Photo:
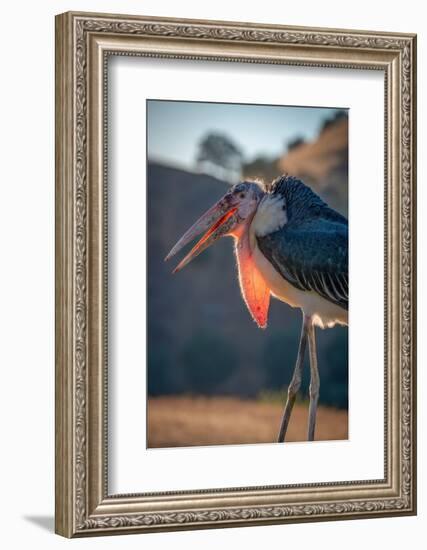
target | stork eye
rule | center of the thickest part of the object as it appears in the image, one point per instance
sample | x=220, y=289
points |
x=242, y=195
x=240, y=188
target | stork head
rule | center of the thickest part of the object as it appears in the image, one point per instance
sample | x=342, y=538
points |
x=230, y=216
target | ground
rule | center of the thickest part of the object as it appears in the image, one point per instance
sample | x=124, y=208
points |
x=188, y=421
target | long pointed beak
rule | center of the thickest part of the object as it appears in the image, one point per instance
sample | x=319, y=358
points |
x=216, y=222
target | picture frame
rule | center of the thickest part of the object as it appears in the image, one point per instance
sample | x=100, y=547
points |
x=84, y=42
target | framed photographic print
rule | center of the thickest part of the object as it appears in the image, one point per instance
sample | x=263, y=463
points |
x=268, y=377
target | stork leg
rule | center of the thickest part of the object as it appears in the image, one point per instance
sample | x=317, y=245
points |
x=314, y=382
x=295, y=384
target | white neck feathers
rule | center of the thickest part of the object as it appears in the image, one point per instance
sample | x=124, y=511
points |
x=270, y=215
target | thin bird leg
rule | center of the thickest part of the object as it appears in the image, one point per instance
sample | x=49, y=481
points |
x=295, y=384
x=314, y=382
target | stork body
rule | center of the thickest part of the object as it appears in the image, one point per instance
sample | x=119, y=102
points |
x=291, y=245
x=300, y=246
x=323, y=312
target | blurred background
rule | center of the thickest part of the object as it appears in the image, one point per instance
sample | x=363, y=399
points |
x=213, y=377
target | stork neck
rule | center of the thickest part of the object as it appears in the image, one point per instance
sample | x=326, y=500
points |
x=243, y=236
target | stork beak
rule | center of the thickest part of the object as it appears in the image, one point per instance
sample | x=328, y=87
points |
x=216, y=223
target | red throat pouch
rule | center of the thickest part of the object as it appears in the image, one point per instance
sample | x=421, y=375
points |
x=254, y=290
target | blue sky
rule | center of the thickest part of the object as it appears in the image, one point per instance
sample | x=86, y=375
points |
x=176, y=127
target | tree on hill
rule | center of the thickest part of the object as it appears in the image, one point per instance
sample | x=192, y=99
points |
x=339, y=115
x=294, y=143
x=220, y=156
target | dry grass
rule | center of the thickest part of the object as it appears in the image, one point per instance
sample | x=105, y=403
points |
x=188, y=421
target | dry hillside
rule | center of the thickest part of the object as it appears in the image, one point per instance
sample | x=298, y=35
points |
x=323, y=164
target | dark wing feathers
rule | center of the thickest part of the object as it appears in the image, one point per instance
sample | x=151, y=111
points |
x=313, y=256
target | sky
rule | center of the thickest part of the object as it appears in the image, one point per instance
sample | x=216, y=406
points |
x=176, y=127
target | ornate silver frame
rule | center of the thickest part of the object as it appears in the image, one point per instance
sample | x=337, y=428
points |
x=83, y=42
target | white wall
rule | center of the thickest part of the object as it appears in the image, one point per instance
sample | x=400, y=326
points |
x=27, y=267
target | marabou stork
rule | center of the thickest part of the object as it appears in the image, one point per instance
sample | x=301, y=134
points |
x=289, y=244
